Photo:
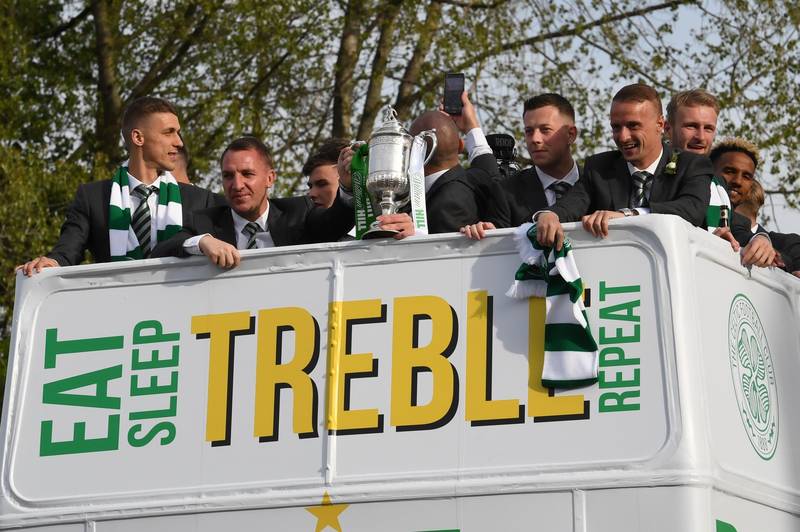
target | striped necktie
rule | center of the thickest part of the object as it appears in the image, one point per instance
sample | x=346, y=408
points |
x=250, y=231
x=642, y=181
x=140, y=222
x=559, y=188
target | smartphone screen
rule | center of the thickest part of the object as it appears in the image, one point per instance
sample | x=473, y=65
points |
x=453, y=87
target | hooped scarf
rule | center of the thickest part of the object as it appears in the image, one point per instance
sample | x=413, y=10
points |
x=570, y=351
x=168, y=216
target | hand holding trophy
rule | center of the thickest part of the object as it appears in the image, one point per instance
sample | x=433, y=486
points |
x=387, y=174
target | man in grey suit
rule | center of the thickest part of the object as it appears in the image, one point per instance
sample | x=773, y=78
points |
x=643, y=176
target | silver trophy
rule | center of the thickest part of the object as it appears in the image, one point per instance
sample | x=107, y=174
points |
x=387, y=178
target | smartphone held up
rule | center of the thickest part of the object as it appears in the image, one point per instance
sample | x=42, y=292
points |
x=453, y=87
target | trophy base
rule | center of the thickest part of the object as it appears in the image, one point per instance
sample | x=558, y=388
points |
x=379, y=233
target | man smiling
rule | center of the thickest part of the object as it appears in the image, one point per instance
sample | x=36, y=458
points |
x=692, y=126
x=253, y=220
x=692, y=121
x=124, y=217
x=641, y=177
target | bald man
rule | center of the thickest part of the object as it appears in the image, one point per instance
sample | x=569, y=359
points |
x=456, y=197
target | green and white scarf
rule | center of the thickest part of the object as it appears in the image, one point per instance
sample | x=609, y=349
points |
x=719, y=201
x=168, y=217
x=570, y=351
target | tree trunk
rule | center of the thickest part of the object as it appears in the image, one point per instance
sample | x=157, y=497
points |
x=405, y=96
x=109, y=115
x=344, y=71
x=372, y=102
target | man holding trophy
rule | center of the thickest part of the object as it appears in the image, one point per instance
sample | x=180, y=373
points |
x=441, y=195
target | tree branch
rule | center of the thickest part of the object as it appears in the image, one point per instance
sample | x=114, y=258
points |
x=343, y=72
x=410, y=78
x=162, y=67
x=110, y=113
x=564, y=32
x=66, y=26
x=372, y=101
x=471, y=5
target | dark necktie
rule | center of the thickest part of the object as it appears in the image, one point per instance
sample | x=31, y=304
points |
x=140, y=222
x=642, y=181
x=250, y=231
x=559, y=188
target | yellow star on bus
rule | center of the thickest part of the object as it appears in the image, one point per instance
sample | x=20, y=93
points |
x=327, y=514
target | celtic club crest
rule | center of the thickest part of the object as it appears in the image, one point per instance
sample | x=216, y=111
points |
x=753, y=376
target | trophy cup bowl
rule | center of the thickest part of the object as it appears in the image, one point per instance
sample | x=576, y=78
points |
x=387, y=178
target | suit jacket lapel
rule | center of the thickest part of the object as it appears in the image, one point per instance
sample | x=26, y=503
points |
x=223, y=226
x=444, y=178
x=620, y=184
x=658, y=179
x=277, y=230
x=533, y=188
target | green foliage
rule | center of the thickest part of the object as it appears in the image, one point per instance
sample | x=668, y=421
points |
x=33, y=198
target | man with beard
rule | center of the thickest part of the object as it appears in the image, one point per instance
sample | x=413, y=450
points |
x=456, y=196
x=736, y=161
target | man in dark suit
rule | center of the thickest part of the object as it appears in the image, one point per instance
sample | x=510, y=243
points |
x=456, y=197
x=643, y=176
x=550, y=131
x=691, y=126
x=736, y=161
x=750, y=199
x=151, y=131
x=253, y=220
x=321, y=171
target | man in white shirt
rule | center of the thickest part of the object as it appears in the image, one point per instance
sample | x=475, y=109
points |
x=643, y=176
x=692, y=126
x=252, y=219
x=123, y=218
x=550, y=132
x=456, y=197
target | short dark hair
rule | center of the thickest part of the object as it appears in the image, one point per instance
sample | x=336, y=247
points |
x=141, y=108
x=735, y=145
x=639, y=92
x=249, y=143
x=690, y=98
x=327, y=153
x=549, y=98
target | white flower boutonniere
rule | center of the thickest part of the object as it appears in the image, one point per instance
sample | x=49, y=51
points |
x=672, y=165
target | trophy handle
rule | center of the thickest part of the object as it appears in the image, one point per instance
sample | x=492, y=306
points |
x=431, y=134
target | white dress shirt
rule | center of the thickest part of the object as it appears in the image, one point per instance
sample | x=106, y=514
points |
x=476, y=144
x=652, y=171
x=547, y=180
x=263, y=238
